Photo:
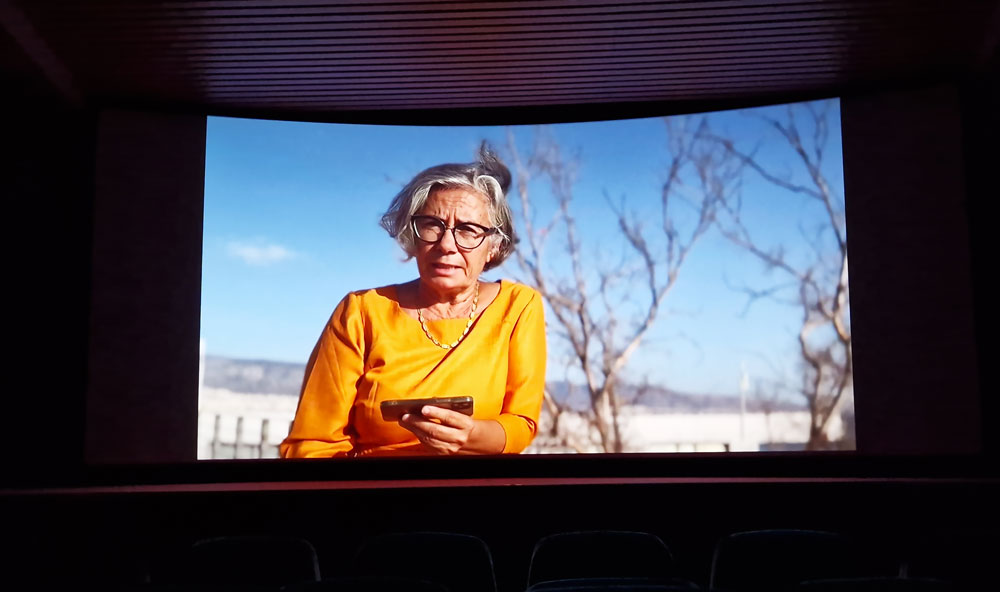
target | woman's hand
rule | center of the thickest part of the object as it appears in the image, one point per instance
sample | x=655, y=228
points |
x=453, y=432
x=449, y=435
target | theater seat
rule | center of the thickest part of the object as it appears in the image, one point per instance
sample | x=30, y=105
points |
x=462, y=563
x=622, y=584
x=368, y=584
x=877, y=585
x=965, y=556
x=777, y=560
x=608, y=556
x=250, y=563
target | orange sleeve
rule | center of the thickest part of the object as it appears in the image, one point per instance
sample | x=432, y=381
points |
x=525, y=378
x=329, y=387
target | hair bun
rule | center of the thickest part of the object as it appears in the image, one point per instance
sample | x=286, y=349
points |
x=490, y=164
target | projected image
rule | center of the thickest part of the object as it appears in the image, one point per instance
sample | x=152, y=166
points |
x=692, y=271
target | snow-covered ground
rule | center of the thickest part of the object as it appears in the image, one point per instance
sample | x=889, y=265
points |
x=228, y=406
x=651, y=430
x=647, y=430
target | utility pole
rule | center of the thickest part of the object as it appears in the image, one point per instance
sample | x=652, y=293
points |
x=744, y=387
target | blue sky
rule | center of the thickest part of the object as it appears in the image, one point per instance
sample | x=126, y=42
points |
x=291, y=225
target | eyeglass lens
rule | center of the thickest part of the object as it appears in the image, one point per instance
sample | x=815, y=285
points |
x=467, y=236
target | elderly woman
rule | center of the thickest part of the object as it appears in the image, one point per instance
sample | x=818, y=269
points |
x=447, y=333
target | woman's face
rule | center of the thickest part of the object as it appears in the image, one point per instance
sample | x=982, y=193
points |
x=444, y=267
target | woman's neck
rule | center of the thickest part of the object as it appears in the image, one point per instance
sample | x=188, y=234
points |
x=445, y=305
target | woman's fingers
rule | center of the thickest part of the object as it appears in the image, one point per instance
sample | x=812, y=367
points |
x=446, y=416
x=429, y=429
x=447, y=435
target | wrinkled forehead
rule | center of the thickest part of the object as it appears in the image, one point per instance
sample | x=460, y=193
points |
x=457, y=203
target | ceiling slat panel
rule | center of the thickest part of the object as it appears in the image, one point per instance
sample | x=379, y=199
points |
x=499, y=59
x=444, y=28
x=846, y=30
x=576, y=31
x=623, y=49
x=374, y=11
x=320, y=56
x=641, y=74
x=459, y=20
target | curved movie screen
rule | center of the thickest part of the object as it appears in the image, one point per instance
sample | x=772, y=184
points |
x=693, y=271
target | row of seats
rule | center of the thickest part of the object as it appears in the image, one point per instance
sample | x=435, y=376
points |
x=758, y=561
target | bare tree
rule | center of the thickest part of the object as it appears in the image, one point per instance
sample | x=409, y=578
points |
x=766, y=399
x=586, y=300
x=818, y=281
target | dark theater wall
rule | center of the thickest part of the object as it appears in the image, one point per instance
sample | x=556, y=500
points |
x=981, y=127
x=143, y=385
x=46, y=183
x=916, y=373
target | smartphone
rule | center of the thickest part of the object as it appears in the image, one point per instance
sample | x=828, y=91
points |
x=394, y=409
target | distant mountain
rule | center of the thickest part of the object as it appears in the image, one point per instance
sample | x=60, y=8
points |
x=282, y=378
x=667, y=400
x=254, y=376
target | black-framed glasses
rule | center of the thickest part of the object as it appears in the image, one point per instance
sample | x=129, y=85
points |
x=467, y=235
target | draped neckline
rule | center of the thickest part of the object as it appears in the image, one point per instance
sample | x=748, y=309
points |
x=504, y=286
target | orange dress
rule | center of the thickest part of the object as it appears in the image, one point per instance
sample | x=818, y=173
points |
x=372, y=351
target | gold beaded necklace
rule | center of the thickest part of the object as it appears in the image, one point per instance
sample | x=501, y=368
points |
x=454, y=344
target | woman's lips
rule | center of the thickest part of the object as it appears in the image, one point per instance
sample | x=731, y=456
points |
x=444, y=269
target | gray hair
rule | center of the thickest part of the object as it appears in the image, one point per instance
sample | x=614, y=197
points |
x=487, y=176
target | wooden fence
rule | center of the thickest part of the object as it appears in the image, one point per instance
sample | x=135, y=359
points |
x=257, y=446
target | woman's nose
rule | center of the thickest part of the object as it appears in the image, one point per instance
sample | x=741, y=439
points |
x=447, y=242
